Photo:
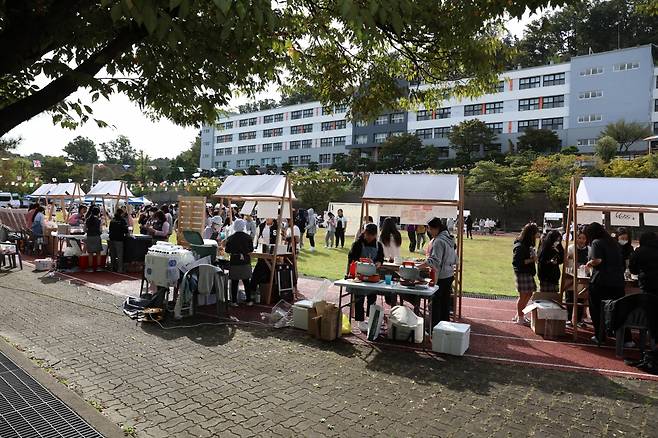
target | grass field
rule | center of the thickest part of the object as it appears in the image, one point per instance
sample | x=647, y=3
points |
x=487, y=262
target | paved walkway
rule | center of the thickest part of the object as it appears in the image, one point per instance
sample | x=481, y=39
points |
x=248, y=380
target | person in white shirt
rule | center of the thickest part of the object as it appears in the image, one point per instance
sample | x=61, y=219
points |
x=298, y=235
x=341, y=226
x=331, y=230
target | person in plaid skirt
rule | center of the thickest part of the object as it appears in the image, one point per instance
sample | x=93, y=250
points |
x=524, y=260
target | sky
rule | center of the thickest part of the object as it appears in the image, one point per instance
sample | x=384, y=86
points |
x=158, y=139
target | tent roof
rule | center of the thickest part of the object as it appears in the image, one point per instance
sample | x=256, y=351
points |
x=110, y=189
x=419, y=187
x=253, y=186
x=44, y=189
x=66, y=190
x=627, y=192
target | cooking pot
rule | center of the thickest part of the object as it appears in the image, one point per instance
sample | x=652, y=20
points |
x=366, y=269
x=409, y=273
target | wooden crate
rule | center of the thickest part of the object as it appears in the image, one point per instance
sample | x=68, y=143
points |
x=191, y=216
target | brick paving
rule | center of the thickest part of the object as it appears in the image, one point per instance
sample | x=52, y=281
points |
x=247, y=380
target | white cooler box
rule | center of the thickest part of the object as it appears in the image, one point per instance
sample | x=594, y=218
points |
x=451, y=338
x=300, y=314
x=44, y=264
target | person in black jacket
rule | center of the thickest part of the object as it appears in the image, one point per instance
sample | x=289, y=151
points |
x=118, y=234
x=93, y=244
x=523, y=261
x=644, y=263
x=239, y=245
x=366, y=247
x=551, y=256
x=607, y=279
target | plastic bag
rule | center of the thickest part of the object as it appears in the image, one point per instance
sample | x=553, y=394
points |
x=280, y=316
x=321, y=294
x=345, y=325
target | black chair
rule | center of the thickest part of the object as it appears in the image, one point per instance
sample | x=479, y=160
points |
x=636, y=311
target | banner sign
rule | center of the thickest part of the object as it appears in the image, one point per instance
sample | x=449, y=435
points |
x=624, y=218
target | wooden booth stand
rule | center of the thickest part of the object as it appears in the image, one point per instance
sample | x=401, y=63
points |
x=590, y=199
x=110, y=190
x=66, y=192
x=416, y=199
x=272, y=195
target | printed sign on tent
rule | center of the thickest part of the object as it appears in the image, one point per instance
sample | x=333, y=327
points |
x=385, y=210
x=415, y=214
x=268, y=209
x=651, y=219
x=587, y=217
x=444, y=212
x=248, y=207
x=624, y=218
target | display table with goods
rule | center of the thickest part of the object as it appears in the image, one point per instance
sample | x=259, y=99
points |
x=383, y=287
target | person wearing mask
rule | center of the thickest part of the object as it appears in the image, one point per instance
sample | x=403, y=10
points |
x=78, y=219
x=37, y=223
x=117, y=235
x=551, y=256
x=580, y=252
x=341, y=226
x=644, y=263
x=159, y=227
x=391, y=239
x=239, y=245
x=331, y=230
x=252, y=230
x=524, y=260
x=93, y=243
x=442, y=259
x=421, y=237
x=311, y=228
x=366, y=247
x=411, y=233
x=607, y=279
x=624, y=240
x=469, y=227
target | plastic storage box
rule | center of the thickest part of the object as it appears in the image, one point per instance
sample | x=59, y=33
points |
x=300, y=314
x=451, y=338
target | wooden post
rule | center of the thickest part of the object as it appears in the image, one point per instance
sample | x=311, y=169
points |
x=566, y=249
x=460, y=245
x=293, y=246
x=574, y=313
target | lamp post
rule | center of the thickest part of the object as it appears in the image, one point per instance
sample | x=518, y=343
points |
x=93, y=167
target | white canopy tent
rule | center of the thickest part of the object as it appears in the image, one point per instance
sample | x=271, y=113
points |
x=110, y=190
x=66, y=192
x=419, y=198
x=269, y=191
x=43, y=190
x=625, y=199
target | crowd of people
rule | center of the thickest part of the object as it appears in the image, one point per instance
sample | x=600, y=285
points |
x=609, y=259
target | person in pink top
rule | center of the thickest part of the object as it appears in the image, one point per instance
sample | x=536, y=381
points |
x=78, y=218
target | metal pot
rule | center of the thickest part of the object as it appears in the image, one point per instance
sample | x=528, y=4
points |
x=366, y=269
x=409, y=273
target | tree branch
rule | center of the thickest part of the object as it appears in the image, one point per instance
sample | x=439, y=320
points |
x=56, y=91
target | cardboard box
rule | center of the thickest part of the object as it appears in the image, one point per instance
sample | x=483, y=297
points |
x=547, y=318
x=329, y=323
x=451, y=338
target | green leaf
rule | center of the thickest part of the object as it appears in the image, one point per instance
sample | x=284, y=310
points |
x=88, y=109
x=116, y=12
x=150, y=19
x=223, y=5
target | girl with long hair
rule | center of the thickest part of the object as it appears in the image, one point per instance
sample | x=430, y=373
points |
x=523, y=261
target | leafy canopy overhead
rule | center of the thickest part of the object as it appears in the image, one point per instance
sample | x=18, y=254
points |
x=183, y=59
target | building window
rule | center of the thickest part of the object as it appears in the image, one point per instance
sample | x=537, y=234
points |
x=493, y=147
x=325, y=158
x=553, y=102
x=295, y=144
x=251, y=149
x=424, y=133
x=294, y=160
x=444, y=152
x=423, y=115
x=326, y=142
x=239, y=164
x=493, y=108
x=265, y=161
x=268, y=118
x=530, y=82
x=397, y=133
x=361, y=139
x=338, y=124
x=340, y=108
x=339, y=141
x=228, y=151
x=224, y=138
x=473, y=110
x=529, y=104
x=443, y=113
x=380, y=137
x=225, y=125
x=554, y=123
x=307, y=144
x=588, y=118
x=327, y=110
x=397, y=118
x=307, y=113
x=497, y=128
x=381, y=120
x=626, y=66
x=362, y=123
x=274, y=132
x=250, y=135
x=655, y=127
x=500, y=87
x=593, y=94
x=586, y=142
x=655, y=105
x=219, y=151
x=301, y=129
x=294, y=115
x=243, y=122
x=442, y=132
x=225, y=164
x=250, y=162
x=267, y=147
x=253, y=121
x=242, y=150
x=554, y=79
x=592, y=71
x=524, y=125
x=304, y=159
x=337, y=156
x=276, y=147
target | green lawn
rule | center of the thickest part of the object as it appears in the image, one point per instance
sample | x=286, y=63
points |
x=487, y=262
